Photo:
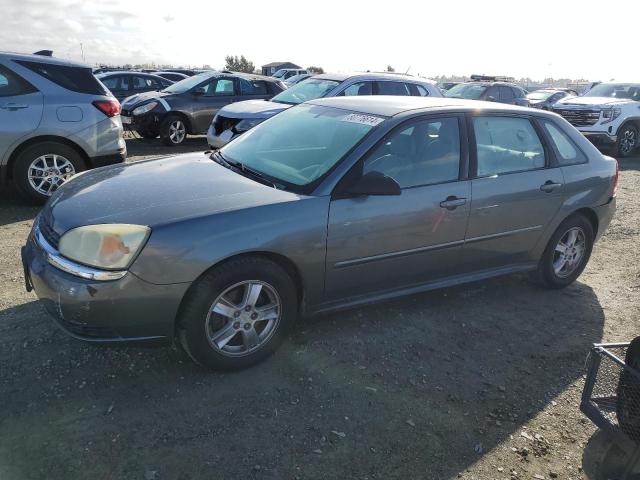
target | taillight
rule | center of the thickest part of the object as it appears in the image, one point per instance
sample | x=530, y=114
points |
x=110, y=108
x=616, y=180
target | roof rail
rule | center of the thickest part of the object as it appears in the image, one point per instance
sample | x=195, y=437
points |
x=492, y=78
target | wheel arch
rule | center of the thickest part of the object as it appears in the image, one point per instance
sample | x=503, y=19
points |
x=591, y=216
x=181, y=114
x=41, y=139
x=283, y=261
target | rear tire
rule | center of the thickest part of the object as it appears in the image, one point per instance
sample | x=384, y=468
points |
x=567, y=253
x=42, y=168
x=627, y=141
x=222, y=326
x=173, y=130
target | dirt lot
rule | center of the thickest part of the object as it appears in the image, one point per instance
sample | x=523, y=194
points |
x=481, y=381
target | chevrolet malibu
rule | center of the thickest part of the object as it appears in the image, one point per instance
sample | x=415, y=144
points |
x=334, y=203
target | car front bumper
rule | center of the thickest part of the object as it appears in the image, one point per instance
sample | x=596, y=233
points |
x=115, y=311
x=600, y=139
x=218, y=141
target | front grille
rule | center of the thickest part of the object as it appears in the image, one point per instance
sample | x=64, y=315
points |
x=224, y=123
x=579, y=118
x=49, y=234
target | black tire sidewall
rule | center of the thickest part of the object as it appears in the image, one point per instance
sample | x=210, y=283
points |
x=26, y=157
x=164, y=130
x=545, y=268
x=621, y=132
x=193, y=314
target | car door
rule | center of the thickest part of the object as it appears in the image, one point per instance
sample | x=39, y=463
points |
x=382, y=243
x=21, y=106
x=215, y=94
x=253, y=89
x=492, y=94
x=516, y=190
x=507, y=95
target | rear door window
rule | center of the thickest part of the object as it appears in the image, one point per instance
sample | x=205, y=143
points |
x=142, y=83
x=219, y=88
x=112, y=83
x=392, y=88
x=506, y=145
x=76, y=79
x=11, y=84
x=506, y=94
x=567, y=153
x=253, y=87
x=417, y=90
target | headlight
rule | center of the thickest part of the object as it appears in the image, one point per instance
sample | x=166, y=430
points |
x=145, y=108
x=107, y=246
x=610, y=114
x=248, y=124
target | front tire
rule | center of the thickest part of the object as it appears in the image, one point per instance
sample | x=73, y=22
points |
x=567, y=253
x=173, y=130
x=42, y=168
x=237, y=314
x=627, y=141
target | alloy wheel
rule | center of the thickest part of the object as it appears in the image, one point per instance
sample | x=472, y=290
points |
x=177, y=131
x=628, y=142
x=569, y=252
x=48, y=172
x=243, y=318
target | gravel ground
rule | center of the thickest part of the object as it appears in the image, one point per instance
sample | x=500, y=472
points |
x=480, y=381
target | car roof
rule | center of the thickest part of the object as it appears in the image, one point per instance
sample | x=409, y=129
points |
x=245, y=76
x=341, y=77
x=506, y=84
x=127, y=72
x=388, y=106
x=30, y=57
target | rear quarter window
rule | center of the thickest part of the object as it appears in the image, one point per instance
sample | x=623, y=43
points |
x=76, y=79
x=12, y=84
x=567, y=153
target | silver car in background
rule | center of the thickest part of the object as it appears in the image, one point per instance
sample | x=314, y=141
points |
x=56, y=119
x=239, y=117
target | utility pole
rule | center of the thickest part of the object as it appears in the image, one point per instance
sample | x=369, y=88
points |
x=82, y=51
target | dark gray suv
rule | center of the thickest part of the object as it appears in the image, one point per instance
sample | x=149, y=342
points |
x=188, y=106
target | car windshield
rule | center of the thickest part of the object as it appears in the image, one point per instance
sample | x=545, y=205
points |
x=279, y=74
x=304, y=91
x=188, y=83
x=540, y=95
x=616, y=90
x=472, y=91
x=299, y=145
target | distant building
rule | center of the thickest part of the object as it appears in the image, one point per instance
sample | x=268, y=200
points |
x=273, y=67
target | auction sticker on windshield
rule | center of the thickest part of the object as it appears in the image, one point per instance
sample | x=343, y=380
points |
x=362, y=119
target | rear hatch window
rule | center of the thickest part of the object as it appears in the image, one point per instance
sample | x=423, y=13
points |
x=76, y=79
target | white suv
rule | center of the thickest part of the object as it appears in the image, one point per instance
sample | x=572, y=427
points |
x=608, y=115
x=285, y=73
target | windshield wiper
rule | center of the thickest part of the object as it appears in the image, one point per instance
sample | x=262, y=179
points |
x=245, y=170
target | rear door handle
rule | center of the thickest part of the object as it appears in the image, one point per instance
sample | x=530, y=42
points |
x=13, y=106
x=452, y=202
x=549, y=186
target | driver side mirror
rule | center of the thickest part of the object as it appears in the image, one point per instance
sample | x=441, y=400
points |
x=372, y=183
x=491, y=98
x=198, y=91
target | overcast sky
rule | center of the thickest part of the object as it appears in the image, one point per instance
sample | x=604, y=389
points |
x=588, y=39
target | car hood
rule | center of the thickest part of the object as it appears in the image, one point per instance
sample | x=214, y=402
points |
x=156, y=192
x=253, y=109
x=138, y=98
x=593, y=101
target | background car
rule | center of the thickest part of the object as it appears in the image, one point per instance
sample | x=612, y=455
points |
x=297, y=79
x=547, y=97
x=125, y=84
x=286, y=73
x=334, y=203
x=236, y=119
x=490, y=89
x=188, y=106
x=57, y=120
x=444, y=86
x=173, y=76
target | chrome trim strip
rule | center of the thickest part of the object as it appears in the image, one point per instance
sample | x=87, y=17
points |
x=402, y=253
x=54, y=258
x=502, y=234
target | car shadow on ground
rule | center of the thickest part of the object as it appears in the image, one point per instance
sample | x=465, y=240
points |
x=631, y=163
x=14, y=207
x=419, y=387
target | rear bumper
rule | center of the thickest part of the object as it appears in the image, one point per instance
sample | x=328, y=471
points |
x=127, y=310
x=605, y=215
x=104, y=160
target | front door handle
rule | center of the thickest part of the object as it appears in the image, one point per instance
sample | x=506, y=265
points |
x=549, y=186
x=452, y=202
x=13, y=106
